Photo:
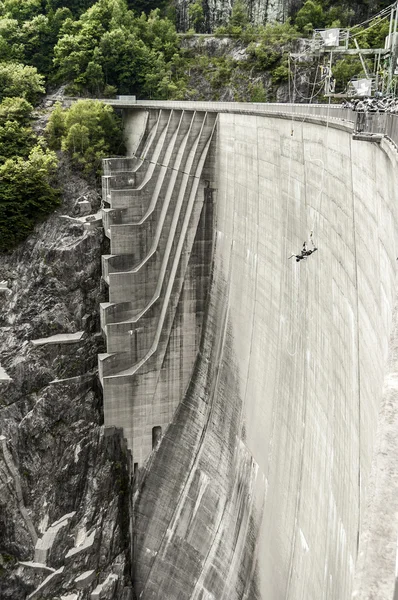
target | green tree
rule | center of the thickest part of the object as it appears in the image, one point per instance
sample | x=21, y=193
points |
x=94, y=77
x=239, y=16
x=31, y=41
x=271, y=46
x=110, y=48
x=310, y=16
x=16, y=109
x=15, y=140
x=26, y=195
x=22, y=10
x=56, y=127
x=146, y=6
x=345, y=69
x=76, y=7
x=257, y=92
x=374, y=35
x=20, y=80
x=38, y=43
x=196, y=15
x=11, y=40
x=88, y=131
x=16, y=135
x=339, y=16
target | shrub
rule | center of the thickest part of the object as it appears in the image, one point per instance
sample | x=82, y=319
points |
x=20, y=80
x=88, y=131
x=26, y=194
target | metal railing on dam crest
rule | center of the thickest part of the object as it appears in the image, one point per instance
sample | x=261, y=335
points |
x=378, y=122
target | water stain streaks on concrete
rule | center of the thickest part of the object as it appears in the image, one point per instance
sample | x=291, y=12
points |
x=255, y=416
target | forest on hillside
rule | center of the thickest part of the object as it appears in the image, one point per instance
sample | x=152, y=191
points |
x=107, y=47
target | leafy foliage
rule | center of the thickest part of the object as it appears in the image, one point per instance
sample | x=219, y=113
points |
x=26, y=194
x=273, y=39
x=310, y=16
x=104, y=47
x=316, y=14
x=20, y=80
x=374, y=35
x=239, y=18
x=345, y=69
x=26, y=169
x=76, y=7
x=196, y=15
x=22, y=10
x=89, y=131
x=146, y=6
x=17, y=109
x=109, y=46
x=56, y=127
x=16, y=136
x=27, y=35
x=257, y=92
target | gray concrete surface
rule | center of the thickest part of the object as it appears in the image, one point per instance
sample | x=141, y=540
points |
x=4, y=289
x=59, y=338
x=46, y=542
x=43, y=588
x=268, y=385
x=84, y=545
x=4, y=377
x=150, y=253
x=85, y=579
x=36, y=566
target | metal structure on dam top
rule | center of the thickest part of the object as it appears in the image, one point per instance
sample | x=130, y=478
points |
x=384, y=123
x=248, y=387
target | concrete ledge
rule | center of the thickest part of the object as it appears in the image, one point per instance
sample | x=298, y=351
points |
x=85, y=546
x=368, y=137
x=105, y=587
x=4, y=377
x=59, y=338
x=4, y=287
x=76, y=379
x=53, y=578
x=85, y=579
x=45, y=543
x=36, y=566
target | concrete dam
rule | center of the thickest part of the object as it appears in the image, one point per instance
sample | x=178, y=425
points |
x=250, y=387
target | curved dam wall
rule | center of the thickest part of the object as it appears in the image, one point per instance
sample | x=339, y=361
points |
x=258, y=487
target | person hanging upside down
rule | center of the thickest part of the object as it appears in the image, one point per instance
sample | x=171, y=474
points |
x=305, y=252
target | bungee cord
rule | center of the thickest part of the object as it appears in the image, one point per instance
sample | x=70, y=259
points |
x=291, y=335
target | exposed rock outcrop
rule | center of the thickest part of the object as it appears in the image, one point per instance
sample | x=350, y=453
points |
x=218, y=12
x=238, y=81
x=63, y=479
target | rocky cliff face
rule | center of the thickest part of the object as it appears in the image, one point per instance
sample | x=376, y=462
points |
x=63, y=481
x=224, y=72
x=218, y=12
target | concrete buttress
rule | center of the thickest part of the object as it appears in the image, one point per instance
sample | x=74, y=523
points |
x=249, y=385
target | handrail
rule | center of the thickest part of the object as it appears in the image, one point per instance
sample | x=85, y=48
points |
x=281, y=108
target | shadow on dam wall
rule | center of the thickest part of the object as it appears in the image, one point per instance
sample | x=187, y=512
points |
x=259, y=486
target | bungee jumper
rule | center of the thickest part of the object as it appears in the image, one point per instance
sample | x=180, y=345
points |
x=305, y=252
